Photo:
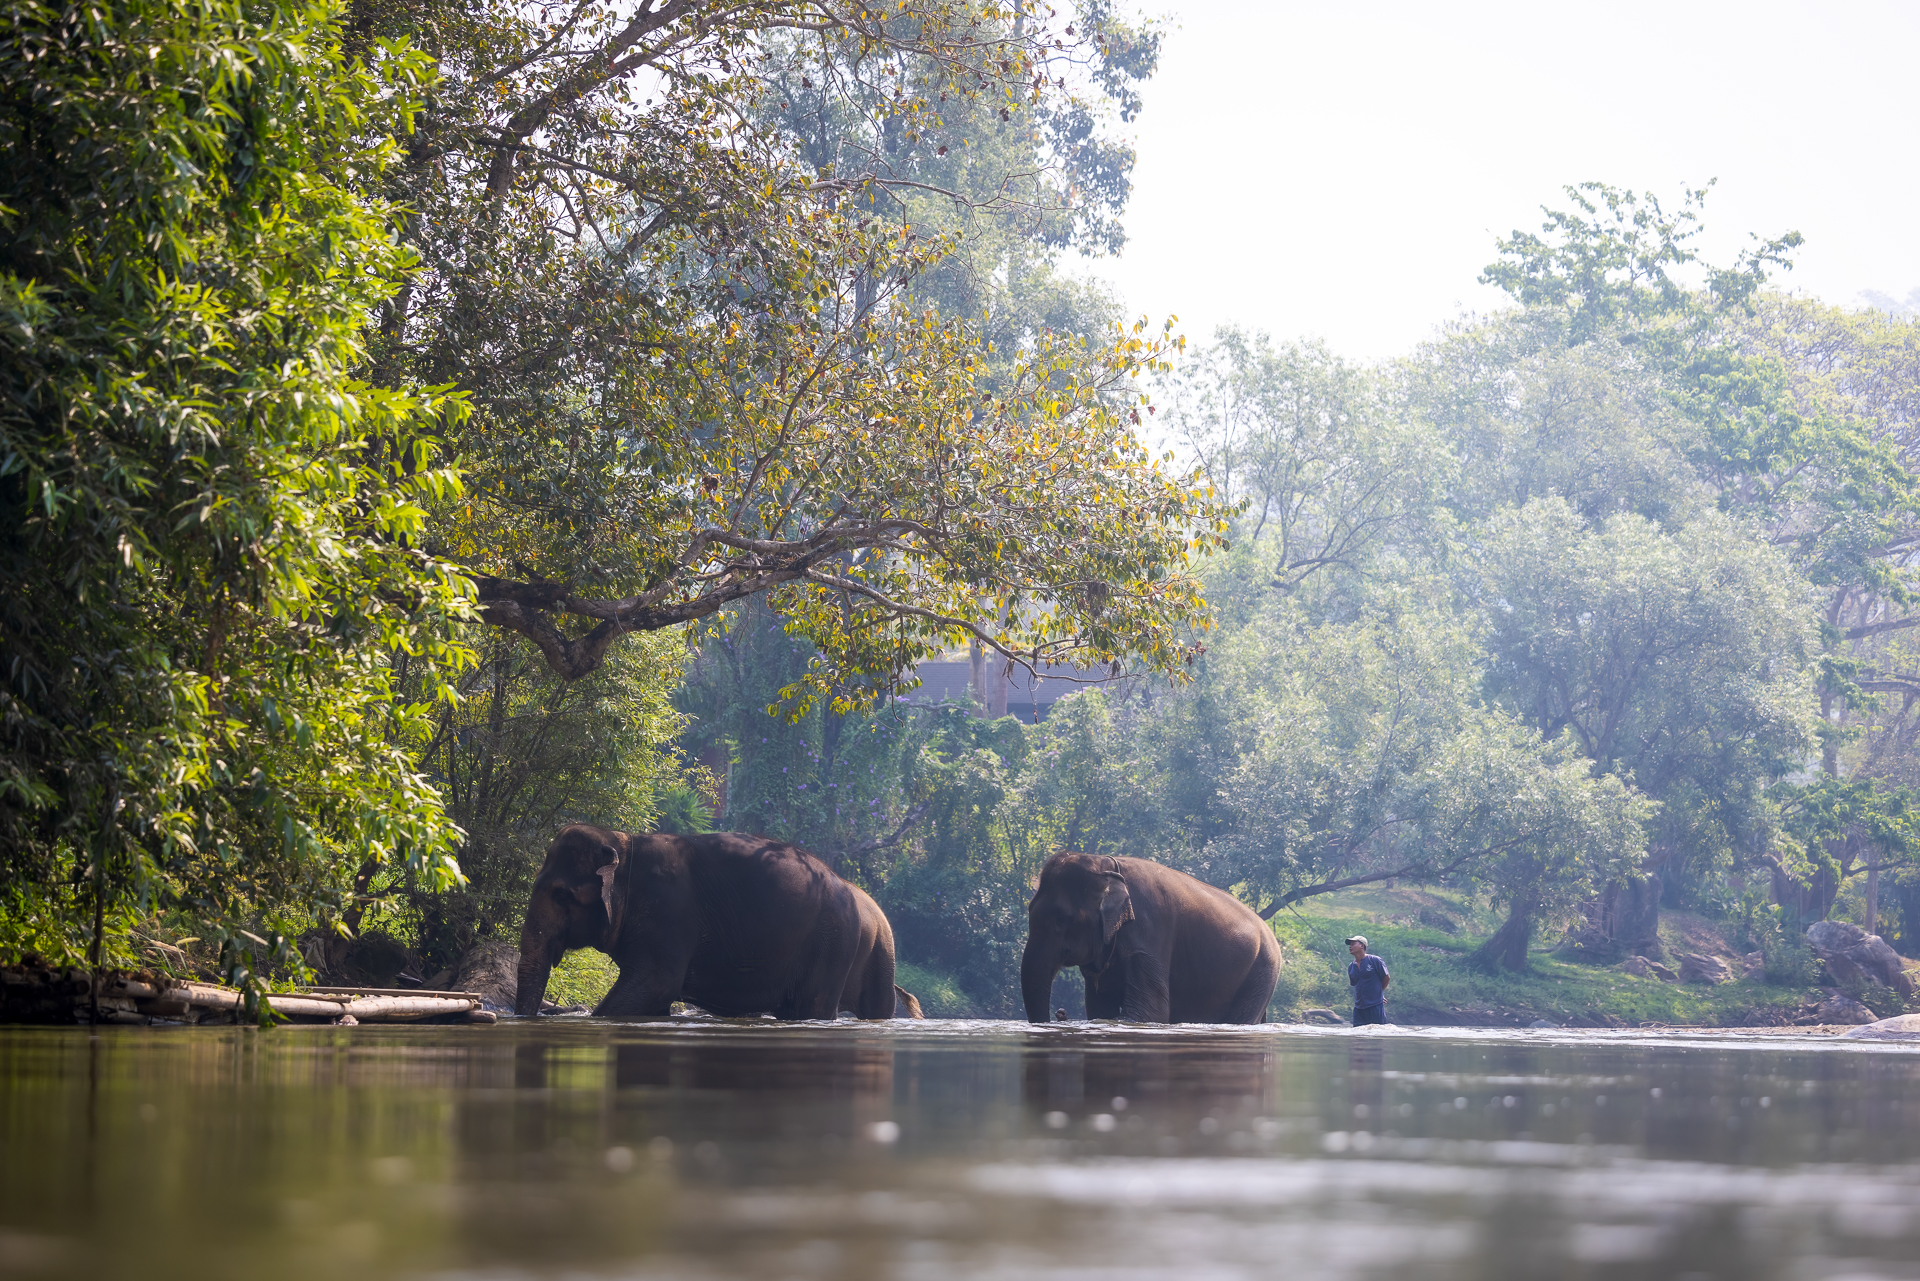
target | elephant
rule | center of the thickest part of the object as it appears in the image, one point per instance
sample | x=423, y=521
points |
x=1154, y=944
x=734, y=924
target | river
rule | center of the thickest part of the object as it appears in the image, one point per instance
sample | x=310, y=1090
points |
x=692, y=1148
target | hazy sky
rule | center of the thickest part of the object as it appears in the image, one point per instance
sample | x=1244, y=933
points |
x=1341, y=170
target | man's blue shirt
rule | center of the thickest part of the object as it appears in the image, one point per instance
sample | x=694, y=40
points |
x=1367, y=979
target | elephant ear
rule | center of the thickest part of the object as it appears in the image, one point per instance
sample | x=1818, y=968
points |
x=607, y=897
x=1116, y=906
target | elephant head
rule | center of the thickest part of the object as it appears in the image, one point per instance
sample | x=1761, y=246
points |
x=575, y=904
x=1080, y=904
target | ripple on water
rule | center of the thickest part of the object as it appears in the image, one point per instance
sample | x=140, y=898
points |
x=708, y=1148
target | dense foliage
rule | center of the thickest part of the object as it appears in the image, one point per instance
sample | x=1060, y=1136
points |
x=210, y=586
x=698, y=270
x=326, y=324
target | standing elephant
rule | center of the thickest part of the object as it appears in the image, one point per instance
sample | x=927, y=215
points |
x=1155, y=945
x=733, y=924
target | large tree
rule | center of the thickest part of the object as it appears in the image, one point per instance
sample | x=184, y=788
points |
x=705, y=366
x=211, y=586
x=1679, y=660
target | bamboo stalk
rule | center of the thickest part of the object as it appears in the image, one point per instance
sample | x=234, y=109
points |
x=355, y=993
x=305, y=1006
x=402, y=1009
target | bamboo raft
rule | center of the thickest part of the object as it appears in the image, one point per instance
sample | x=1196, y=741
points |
x=38, y=995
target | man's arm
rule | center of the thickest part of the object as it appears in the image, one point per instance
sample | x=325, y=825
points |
x=1385, y=977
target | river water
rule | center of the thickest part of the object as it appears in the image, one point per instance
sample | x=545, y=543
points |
x=694, y=1149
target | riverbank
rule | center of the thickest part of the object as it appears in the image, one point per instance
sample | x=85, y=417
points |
x=1427, y=940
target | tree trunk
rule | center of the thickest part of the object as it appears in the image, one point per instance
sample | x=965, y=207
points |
x=977, y=672
x=1507, y=949
x=1905, y=893
x=1634, y=922
x=1805, y=901
x=1873, y=897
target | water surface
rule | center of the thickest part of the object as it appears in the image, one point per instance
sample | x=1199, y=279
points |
x=707, y=1149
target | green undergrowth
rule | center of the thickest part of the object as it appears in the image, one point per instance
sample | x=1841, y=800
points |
x=939, y=996
x=1433, y=982
x=582, y=978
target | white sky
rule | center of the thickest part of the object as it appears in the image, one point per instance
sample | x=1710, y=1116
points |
x=1341, y=169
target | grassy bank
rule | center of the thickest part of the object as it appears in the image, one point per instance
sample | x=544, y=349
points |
x=1433, y=982
x=582, y=978
x=939, y=996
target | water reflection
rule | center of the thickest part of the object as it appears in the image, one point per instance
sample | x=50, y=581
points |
x=695, y=1148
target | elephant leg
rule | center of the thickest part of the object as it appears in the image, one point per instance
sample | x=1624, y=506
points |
x=641, y=991
x=823, y=979
x=1104, y=991
x=1250, y=1000
x=1146, y=999
x=876, y=997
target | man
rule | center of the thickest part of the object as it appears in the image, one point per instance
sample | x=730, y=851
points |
x=1367, y=976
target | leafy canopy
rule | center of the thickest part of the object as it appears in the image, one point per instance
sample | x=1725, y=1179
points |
x=702, y=362
x=208, y=526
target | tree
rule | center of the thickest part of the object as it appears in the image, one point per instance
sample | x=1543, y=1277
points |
x=702, y=370
x=1852, y=376
x=1612, y=261
x=833, y=780
x=1363, y=754
x=1676, y=660
x=521, y=753
x=211, y=586
x=1524, y=416
x=1796, y=424
x=1312, y=448
x=1832, y=831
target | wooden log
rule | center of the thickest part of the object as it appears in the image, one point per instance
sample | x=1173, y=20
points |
x=168, y=1005
x=217, y=998
x=405, y=1009
x=355, y=993
x=304, y=1007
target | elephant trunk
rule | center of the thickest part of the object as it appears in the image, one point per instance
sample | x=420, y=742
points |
x=535, y=967
x=1036, y=983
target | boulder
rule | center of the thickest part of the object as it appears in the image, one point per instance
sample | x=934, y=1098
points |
x=1321, y=1016
x=1902, y=1027
x=1662, y=973
x=1755, y=963
x=1638, y=966
x=490, y=970
x=1843, y=1009
x=1853, y=956
x=1697, y=968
